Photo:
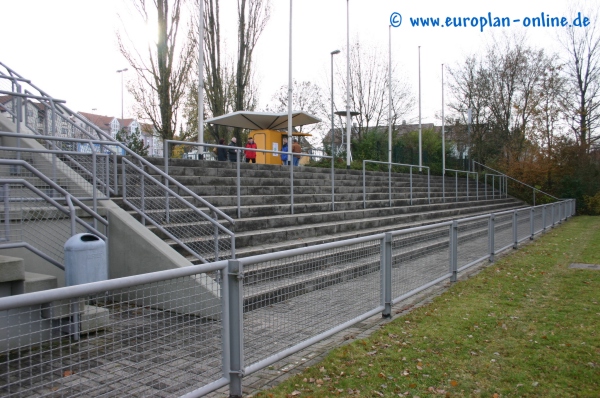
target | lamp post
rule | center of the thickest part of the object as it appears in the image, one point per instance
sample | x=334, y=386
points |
x=121, y=72
x=201, y=78
x=420, y=133
x=334, y=52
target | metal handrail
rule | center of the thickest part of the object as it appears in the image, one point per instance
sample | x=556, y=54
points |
x=60, y=110
x=238, y=161
x=390, y=164
x=170, y=192
x=519, y=182
x=456, y=172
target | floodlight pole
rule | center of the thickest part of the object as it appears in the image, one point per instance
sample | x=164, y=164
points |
x=443, y=128
x=348, y=120
x=420, y=131
x=201, y=78
x=289, y=128
x=334, y=52
x=390, y=98
x=121, y=72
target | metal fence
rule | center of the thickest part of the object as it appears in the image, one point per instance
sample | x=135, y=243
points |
x=193, y=330
x=39, y=215
x=398, y=184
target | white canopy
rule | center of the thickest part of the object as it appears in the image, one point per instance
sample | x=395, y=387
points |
x=263, y=120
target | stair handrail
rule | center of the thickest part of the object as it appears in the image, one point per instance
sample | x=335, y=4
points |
x=519, y=182
x=101, y=134
x=390, y=164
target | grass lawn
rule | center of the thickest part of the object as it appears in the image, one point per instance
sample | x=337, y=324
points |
x=527, y=326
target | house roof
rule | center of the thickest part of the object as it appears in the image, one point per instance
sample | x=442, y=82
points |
x=98, y=120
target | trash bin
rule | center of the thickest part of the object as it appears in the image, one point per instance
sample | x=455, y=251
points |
x=85, y=259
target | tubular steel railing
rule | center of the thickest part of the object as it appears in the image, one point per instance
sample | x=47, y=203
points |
x=38, y=114
x=34, y=218
x=239, y=151
x=390, y=165
x=456, y=173
x=167, y=333
x=507, y=177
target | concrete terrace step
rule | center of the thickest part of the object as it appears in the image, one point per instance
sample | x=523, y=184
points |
x=264, y=234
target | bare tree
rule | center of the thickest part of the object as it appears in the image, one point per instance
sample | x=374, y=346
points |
x=229, y=84
x=369, y=89
x=307, y=97
x=583, y=70
x=163, y=73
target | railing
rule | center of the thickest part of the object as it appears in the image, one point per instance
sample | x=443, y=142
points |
x=172, y=143
x=456, y=173
x=410, y=166
x=267, y=307
x=34, y=218
x=507, y=177
x=35, y=112
x=502, y=185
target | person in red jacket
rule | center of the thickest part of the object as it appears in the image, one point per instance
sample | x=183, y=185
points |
x=251, y=155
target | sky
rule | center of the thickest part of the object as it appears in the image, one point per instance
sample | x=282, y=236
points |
x=69, y=47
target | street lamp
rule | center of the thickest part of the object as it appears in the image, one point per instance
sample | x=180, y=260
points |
x=334, y=52
x=121, y=72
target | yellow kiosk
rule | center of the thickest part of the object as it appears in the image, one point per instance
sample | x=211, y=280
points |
x=265, y=129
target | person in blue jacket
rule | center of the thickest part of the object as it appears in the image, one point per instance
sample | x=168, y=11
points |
x=284, y=148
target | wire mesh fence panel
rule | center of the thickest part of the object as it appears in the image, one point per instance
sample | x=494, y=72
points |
x=473, y=241
x=157, y=339
x=27, y=217
x=419, y=258
x=503, y=231
x=538, y=220
x=523, y=224
x=290, y=300
x=178, y=219
x=77, y=173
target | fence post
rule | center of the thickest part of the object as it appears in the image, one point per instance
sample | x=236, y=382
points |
x=456, y=185
x=531, y=222
x=390, y=183
x=365, y=187
x=544, y=218
x=515, y=230
x=332, y=181
x=444, y=186
x=552, y=214
x=454, y=251
x=238, y=182
x=468, y=187
x=411, y=186
x=6, y=192
x=491, y=243
x=386, y=275
x=235, y=298
x=166, y=156
x=429, y=186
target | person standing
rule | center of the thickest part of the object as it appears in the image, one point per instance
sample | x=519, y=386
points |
x=296, y=150
x=233, y=152
x=284, y=149
x=221, y=152
x=251, y=155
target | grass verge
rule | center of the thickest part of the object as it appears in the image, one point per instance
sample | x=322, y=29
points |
x=526, y=326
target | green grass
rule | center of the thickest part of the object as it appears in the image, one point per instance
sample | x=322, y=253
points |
x=527, y=326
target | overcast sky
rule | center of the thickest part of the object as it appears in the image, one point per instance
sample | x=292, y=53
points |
x=69, y=49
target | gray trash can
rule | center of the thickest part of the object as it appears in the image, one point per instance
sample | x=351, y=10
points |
x=85, y=259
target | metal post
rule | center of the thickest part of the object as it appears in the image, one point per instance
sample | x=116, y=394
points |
x=444, y=186
x=239, y=181
x=468, y=186
x=531, y=222
x=491, y=243
x=235, y=276
x=166, y=157
x=515, y=229
x=386, y=275
x=143, y=196
x=476, y=184
x=544, y=218
x=485, y=185
x=552, y=214
x=493, y=188
x=7, y=211
x=216, y=235
x=428, y=186
x=365, y=186
x=94, y=186
x=456, y=186
x=332, y=183
x=390, y=183
x=454, y=251
x=73, y=214
x=411, y=187
x=534, y=196
x=116, y=173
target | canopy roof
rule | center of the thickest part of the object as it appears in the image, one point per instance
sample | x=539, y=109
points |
x=263, y=120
